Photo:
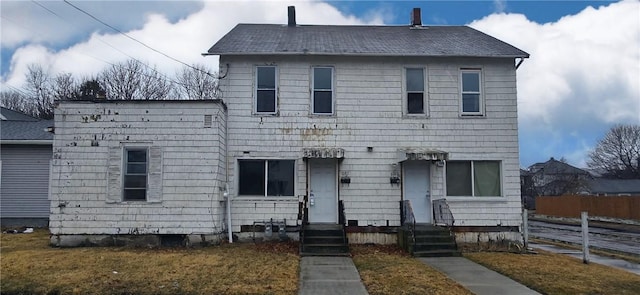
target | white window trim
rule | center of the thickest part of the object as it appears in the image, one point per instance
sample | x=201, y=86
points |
x=472, y=197
x=124, y=174
x=265, y=197
x=255, y=90
x=333, y=91
x=480, y=92
x=405, y=96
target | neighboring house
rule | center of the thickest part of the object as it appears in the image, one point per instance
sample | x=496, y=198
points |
x=554, y=178
x=614, y=187
x=322, y=124
x=25, y=155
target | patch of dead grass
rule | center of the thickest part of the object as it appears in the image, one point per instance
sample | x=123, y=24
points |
x=30, y=266
x=551, y=273
x=390, y=270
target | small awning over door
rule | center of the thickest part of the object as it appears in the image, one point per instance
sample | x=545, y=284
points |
x=322, y=153
x=426, y=154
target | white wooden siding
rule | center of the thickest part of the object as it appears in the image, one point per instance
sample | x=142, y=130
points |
x=189, y=194
x=368, y=112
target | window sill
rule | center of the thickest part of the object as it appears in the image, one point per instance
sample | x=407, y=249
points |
x=264, y=199
x=415, y=116
x=256, y=114
x=475, y=199
x=464, y=115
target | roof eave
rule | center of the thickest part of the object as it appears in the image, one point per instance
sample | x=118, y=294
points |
x=27, y=141
x=357, y=54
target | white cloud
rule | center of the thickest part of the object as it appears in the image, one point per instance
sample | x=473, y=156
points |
x=184, y=39
x=583, y=74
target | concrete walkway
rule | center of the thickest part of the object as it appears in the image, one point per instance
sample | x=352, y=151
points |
x=476, y=278
x=608, y=261
x=329, y=275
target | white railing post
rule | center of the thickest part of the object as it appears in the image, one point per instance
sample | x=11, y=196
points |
x=585, y=237
x=525, y=228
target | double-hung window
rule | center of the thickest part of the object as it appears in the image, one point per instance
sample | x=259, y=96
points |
x=266, y=90
x=265, y=177
x=474, y=178
x=415, y=90
x=322, y=97
x=135, y=174
x=471, y=92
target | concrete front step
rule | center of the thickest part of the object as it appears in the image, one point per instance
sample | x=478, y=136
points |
x=324, y=240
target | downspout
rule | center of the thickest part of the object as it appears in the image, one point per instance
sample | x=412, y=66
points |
x=226, y=173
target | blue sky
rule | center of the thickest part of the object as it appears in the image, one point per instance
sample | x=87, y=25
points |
x=582, y=78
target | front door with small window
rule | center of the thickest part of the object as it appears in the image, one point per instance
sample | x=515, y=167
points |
x=416, y=189
x=323, y=197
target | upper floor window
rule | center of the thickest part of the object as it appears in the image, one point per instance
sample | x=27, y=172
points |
x=474, y=178
x=471, y=93
x=322, y=98
x=265, y=177
x=135, y=174
x=266, y=90
x=415, y=90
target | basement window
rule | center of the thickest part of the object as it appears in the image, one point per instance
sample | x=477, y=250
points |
x=266, y=177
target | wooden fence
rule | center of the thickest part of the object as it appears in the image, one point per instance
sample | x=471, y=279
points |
x=624, y=207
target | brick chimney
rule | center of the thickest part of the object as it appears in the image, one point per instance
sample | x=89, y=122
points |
x=416, y=19
x=292, y=16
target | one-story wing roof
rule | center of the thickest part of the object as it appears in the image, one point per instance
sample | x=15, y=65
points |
x=438, y=41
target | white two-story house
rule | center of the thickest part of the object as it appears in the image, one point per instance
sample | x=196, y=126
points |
x=316, y=124
x=366, y=117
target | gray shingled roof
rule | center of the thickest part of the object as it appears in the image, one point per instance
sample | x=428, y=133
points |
x=18, y=126
x=443, y=41
x=615, y=186
x=11, y=115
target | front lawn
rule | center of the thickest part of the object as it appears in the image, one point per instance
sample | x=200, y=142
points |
x=30, y=266
x=551, y=273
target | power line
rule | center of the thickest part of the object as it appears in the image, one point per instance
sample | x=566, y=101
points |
x=134, y=39
x=108, y=44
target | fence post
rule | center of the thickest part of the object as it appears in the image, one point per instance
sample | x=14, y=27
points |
x=585, y=237
x=525, y=228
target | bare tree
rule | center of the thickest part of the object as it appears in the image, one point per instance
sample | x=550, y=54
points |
x=197, y=82
x=65, y=87
x=618, y=153
x=134, y=80
x=39, y=91
x=16, y=101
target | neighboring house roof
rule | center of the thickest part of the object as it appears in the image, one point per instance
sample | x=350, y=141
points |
x=554, y=166
x=441, y=41
x=11, y=115
x=16, y=127
x=614, y=186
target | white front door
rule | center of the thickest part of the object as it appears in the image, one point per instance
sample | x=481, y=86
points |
x=416, y=189
x=323, y=198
